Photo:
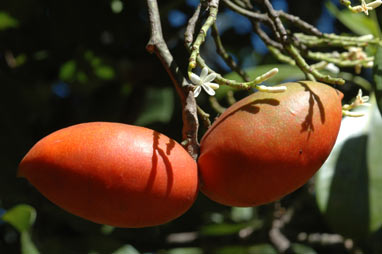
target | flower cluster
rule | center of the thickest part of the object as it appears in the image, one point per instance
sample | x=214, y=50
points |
x=354, y=54
x=357, y=53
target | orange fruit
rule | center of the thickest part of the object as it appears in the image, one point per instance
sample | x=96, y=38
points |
x=113, y=173
x=269, y=144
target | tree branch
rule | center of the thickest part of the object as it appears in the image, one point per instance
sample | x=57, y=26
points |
x=226, y=57
x=245, y=12
x=158, y=46
x=189, y=34
x=277, y=238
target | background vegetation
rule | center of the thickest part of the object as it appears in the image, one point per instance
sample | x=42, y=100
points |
x=67, y=62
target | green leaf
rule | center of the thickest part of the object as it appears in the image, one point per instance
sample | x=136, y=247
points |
x=126, y=249
x=349, y=184
x=104, y=72
x=228, y=228
x=67, y=70
x=377, y=73
x=158, y=106
x=107, y=230
x=20, y=60
x=82, y=77
x=254, y=249
x=240, y=214
x=27, y=246
x=262, y=249
x=116, y=6
x=186, y=250
x=89, y=55
x=374, y=162
x=95, y=61
x=356, y=22
x=222, y=229
x=21, y=217
x=7, y=21
x=232, y=250
x=286, y=72
x=302, y=249
x=126, y=89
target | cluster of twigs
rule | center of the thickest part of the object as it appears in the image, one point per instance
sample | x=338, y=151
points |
x=290, y=47
x=301, y=48
x=291, y=40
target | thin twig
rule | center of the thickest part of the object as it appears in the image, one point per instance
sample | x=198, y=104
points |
x=216, y=105
x=327, y=57
x=205, y=117
x=190, y=29
x=245, y=12
x=304, y=26
x=332, y=40
x=278, y=239
x=213, y=10
x=230, y=97
x=226, y=57
x=264, y=36
x=235, y=84
x=280, y=56
x=274, y=15
x=300, y=61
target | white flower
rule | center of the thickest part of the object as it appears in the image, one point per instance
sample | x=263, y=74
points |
x=204, y=80
x=366, y=7
x=362, y=8
x=361, y=100
x=358, y=101
x=356, y=53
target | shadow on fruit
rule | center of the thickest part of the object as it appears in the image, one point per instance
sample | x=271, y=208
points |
x=307, y=125
x=164, y=155
x=249, y=107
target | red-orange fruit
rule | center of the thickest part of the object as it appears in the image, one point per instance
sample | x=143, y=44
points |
x=113, y=173
x=269, y=144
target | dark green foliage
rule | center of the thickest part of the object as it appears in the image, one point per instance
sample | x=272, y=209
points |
x=66, y=62
x=377, y=72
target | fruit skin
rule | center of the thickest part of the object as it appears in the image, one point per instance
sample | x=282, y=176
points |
x=269, y=144
x=113, y=173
